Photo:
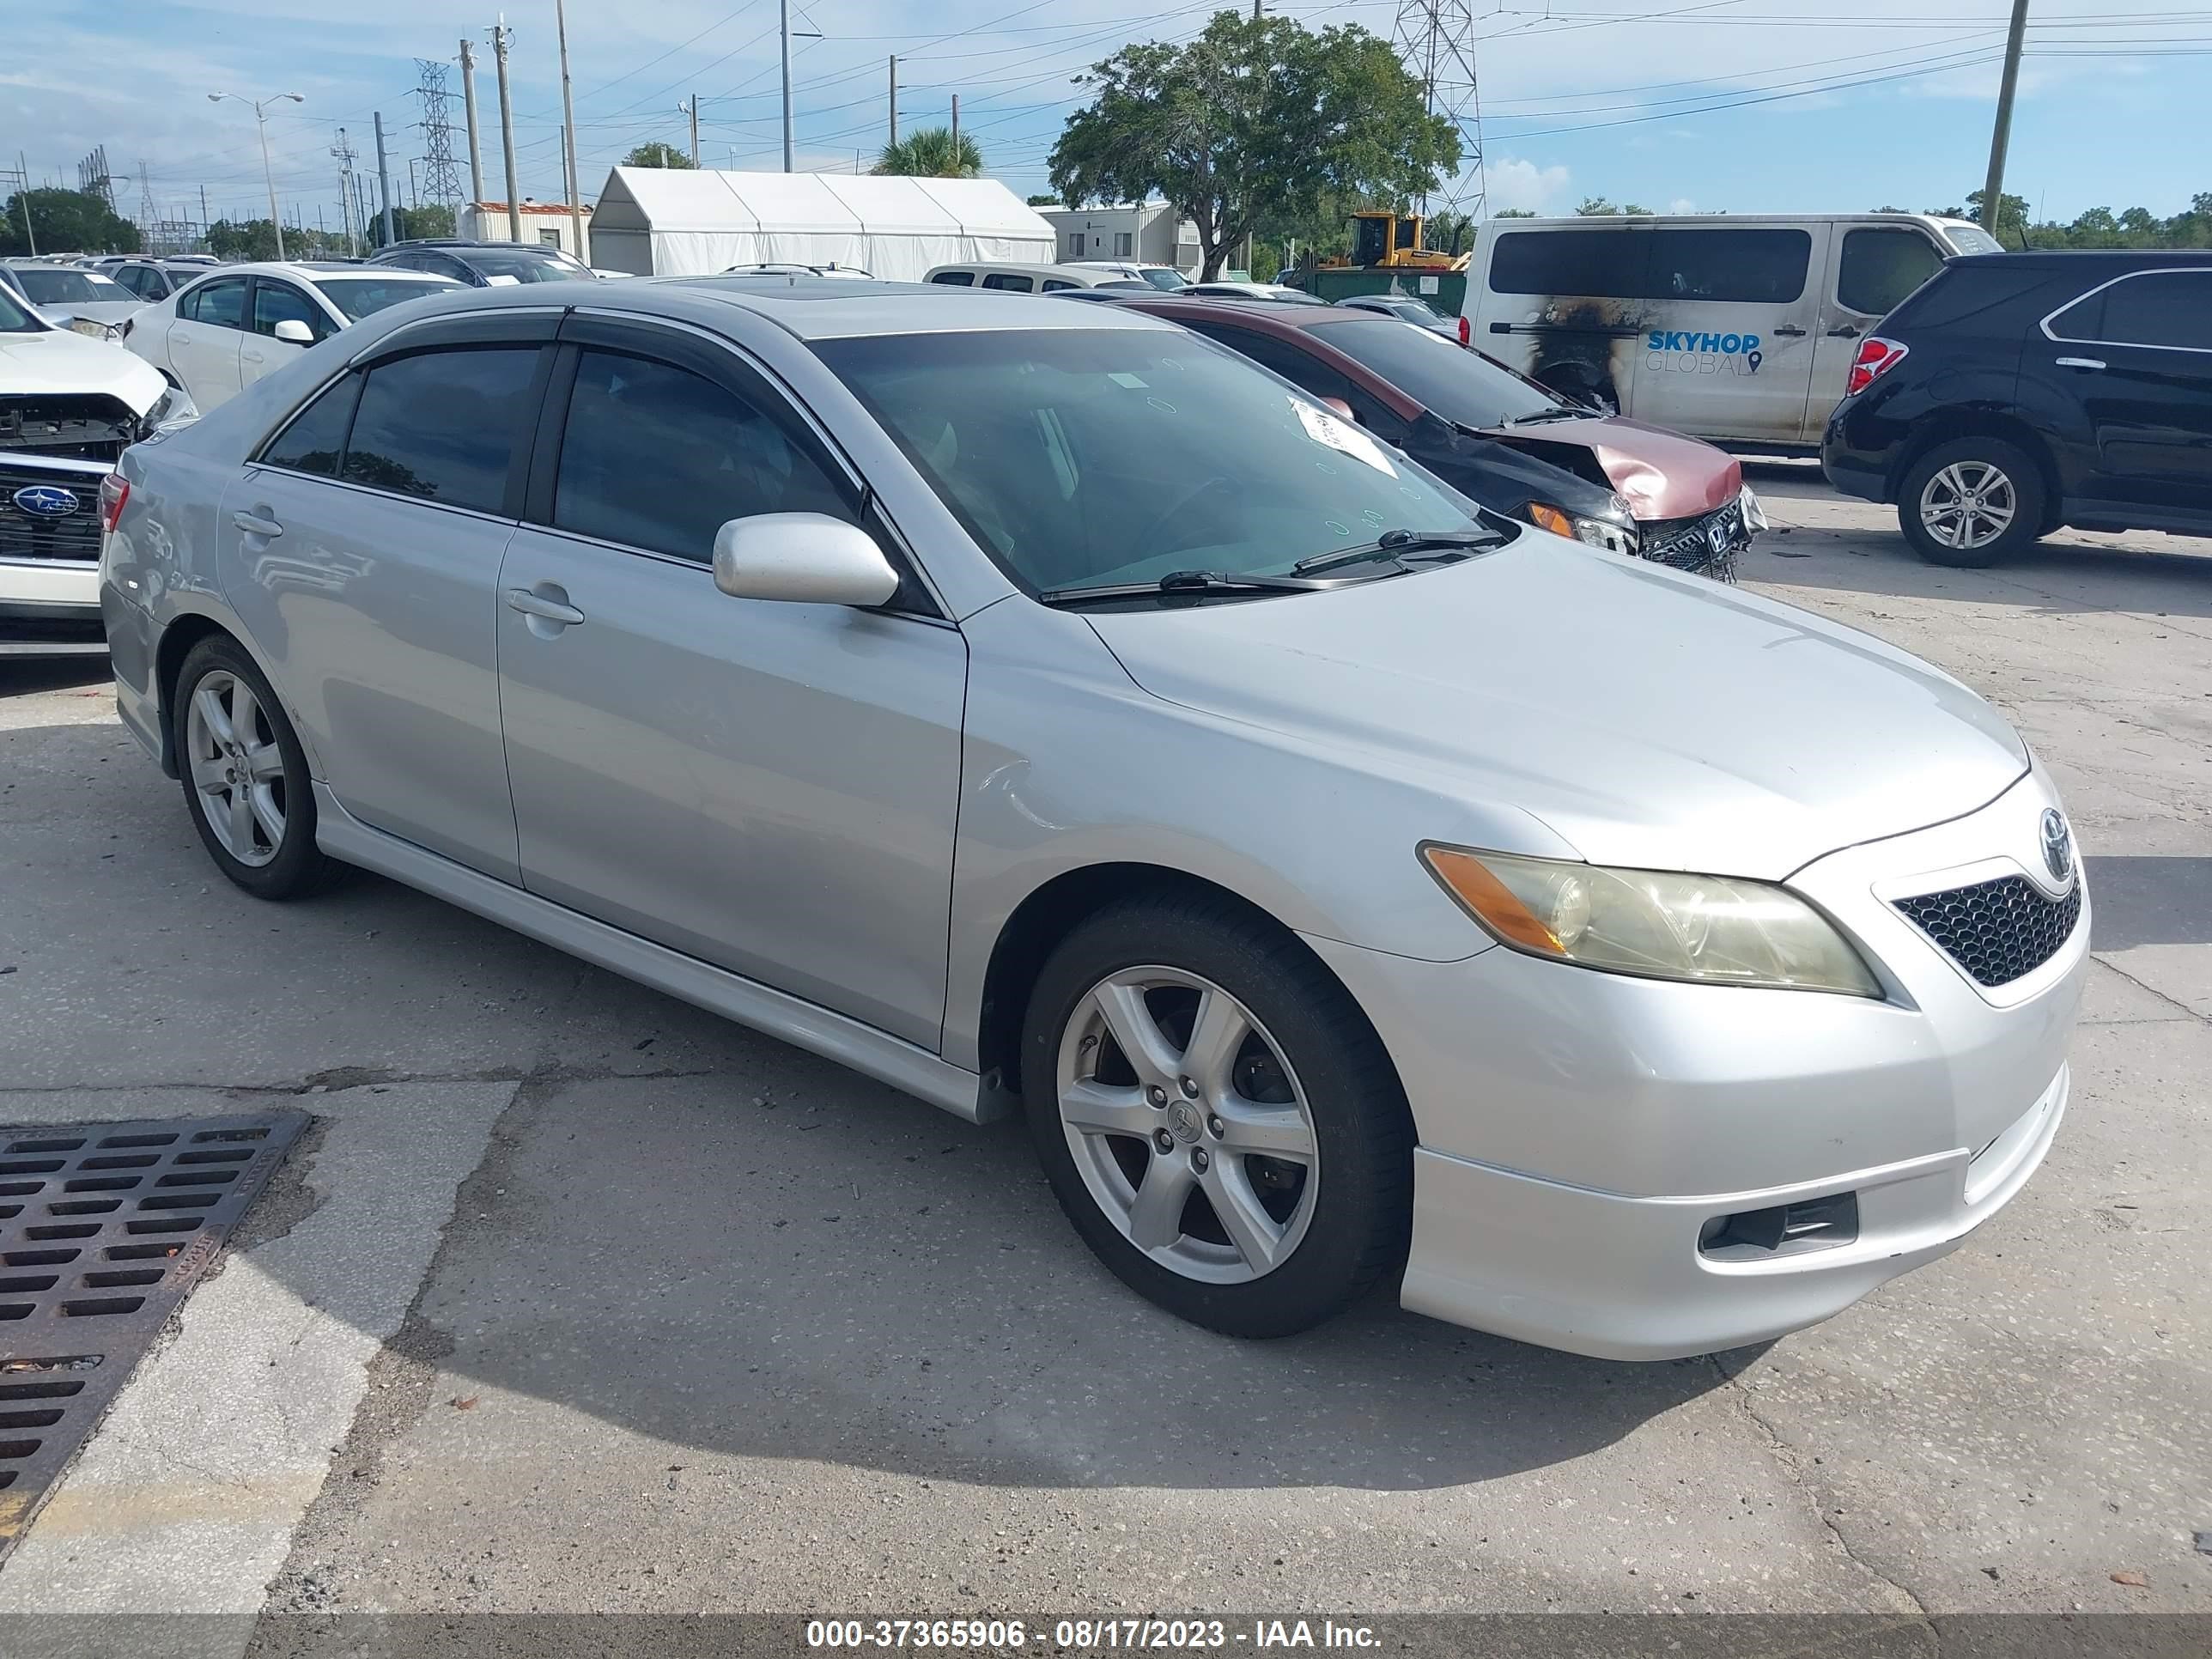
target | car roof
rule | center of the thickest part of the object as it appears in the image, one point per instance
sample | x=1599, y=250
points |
x=314, y=271
x=2075, y=259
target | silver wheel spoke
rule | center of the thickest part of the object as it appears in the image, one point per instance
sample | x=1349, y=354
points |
x=266, y=814
x=1273, y=1131
x=1218, y=1031
x=1254, y=1233
x=1100, y=1108
x=237, y=822
x=1121, y=1005
x=209, y=775
x=264, y=762
x=212, y=713
x=1156, y=1216
x=243, y=708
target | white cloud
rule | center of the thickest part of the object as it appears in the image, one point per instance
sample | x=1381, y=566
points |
x=1512, y=182
x=1681, y=204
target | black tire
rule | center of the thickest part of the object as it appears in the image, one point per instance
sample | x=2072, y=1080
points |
x=297, y=868
x=1361, y=1213
x=2021, y=483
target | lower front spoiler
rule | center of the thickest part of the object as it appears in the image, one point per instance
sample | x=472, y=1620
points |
x=1621, y=1278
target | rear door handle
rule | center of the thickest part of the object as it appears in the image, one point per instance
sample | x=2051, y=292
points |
x=254, y=525
x=537, y=605
x=1844, y=331
x=1790, y=329
x=2081, y=362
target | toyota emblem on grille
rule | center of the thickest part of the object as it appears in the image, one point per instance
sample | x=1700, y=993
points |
x=2057, y=845
x=46, y=501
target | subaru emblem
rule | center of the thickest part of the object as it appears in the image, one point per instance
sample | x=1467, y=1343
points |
x=47, y=501
x=2057, y=845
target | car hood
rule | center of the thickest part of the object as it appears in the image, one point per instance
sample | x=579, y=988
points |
x=1647, y=718
x=98, y=310
x=65, y=360
x=1660, y=474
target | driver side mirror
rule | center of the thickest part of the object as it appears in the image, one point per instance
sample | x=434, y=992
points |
x=292, y=331
x=805, y=558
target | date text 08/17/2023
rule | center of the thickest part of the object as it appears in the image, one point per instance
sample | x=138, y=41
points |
x=1150, y=1635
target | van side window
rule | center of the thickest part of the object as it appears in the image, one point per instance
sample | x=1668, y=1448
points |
x=1763, y=267
x=955, y=279
x=1881, y=266
x=1007, y=280
x=1606, y=264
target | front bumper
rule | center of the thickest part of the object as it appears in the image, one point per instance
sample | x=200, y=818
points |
x=49, y=609
x=1582, y=1133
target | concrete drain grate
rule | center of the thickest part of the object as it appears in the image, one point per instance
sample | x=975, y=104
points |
x=104, y=1228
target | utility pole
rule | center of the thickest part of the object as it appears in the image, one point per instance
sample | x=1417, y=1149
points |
x=784, y=28
x=469, y=104
x=690, y=106
x=1993, y=188
x=204, y=221
x=23, y=196
x=343, y=152
x=569, y=135
x=956, y=128
x=501, y=37
x=894, y=132
x=383, y=179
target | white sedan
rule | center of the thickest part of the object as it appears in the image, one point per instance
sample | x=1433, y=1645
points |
x=84, y=300
x=241, y=322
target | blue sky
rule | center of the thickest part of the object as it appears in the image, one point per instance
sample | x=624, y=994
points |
x=1742, y=104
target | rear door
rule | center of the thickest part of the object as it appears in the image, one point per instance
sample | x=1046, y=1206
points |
x=207, y=337
x=1871, y=270
x=2136, y=353
x=1728, y=332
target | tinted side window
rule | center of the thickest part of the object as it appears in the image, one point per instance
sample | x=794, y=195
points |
x=1879, y=268
x=1285, y=360
x=317, y=436
x=955, y=279
x=2159, y=308
x=1008, y=281
x=1056, y=284
x=280, y=302
x=1755, y=266
x=1603, y=264
x=656, y=457
x=139, y=279
x=221, y=304
x=442, y=425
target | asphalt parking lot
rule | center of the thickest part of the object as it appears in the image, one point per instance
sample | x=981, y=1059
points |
x=580, y=1299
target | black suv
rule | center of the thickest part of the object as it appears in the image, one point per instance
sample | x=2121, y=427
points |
x=2013, y=393
x=483, y=264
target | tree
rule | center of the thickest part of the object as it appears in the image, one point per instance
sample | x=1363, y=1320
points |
x=1256, y=121
x=65, y=221
x=409, y=223
x=2011, y=226
x=1596, y=206
x=658, y=154
x=1515, y=213
x=1044, y=201
x=244, y=238
x=932, y=153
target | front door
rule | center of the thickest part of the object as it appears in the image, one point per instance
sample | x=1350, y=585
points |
x=363, y=553
x=274, y=302
x=205, y=338
x=1873, y=269
x=770, y=787
x=2136, y=355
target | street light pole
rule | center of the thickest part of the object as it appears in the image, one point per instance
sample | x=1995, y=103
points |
x=268, y=175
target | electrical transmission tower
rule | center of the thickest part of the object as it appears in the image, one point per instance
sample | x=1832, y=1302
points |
x=441, y=179
x=147, y=215
x=94, y=179
x=1436, y=40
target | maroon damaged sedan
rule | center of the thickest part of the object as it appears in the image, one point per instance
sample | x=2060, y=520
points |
x=1496, y=435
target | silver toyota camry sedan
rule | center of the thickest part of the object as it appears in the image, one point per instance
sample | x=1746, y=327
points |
x=1042, y=710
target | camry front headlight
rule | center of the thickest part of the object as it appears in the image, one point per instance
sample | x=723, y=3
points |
x=1591, y=532
x=1656, y=924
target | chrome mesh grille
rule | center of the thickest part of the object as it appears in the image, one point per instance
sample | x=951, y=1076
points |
x=1999, y=930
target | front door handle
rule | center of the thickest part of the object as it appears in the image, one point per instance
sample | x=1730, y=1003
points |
x=255, y=357
x=1791, y=330
x=254, y=523
x=537, y=605
x=2081, y=362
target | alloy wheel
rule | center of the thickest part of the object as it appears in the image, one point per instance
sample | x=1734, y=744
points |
x=236, y=767
x=1187, y=1124
x=1968, y=505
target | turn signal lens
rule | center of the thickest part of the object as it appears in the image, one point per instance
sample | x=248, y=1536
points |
x=1551, y=519
x=1654, y=924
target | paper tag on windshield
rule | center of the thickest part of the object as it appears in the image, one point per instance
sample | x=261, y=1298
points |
x=1339, y=433
x=503, y=281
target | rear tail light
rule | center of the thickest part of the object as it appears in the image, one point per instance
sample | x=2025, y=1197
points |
x=114, y=492
x=1877, y=357
x=1466, y=332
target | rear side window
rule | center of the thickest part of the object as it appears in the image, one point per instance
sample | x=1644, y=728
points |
x=955, y=279
x=1602, y=264
x=442, y=425
x=219, y=304
x=1880, y=267
x=1057, y=284
x=1008, y=281
x=315, y=442
x=2172, y=308
x=656, y=457
x=1741, y=267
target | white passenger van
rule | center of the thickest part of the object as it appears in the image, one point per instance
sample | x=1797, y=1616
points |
x=1029, y=279
x=1735, y=327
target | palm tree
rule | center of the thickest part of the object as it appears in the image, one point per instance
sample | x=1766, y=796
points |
x=932, y=153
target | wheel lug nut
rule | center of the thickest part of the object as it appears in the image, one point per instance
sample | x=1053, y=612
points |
x=1190, y=1087
x=1216, y=1128
x=1198, y=1158
x=1156, y=1095
x=1164, y=1140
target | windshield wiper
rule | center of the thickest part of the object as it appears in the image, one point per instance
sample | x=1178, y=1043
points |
x=1544, y=414
x=1194, y=581
x=1401, y=545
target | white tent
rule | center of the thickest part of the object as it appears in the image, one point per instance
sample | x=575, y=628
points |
x=683, y=221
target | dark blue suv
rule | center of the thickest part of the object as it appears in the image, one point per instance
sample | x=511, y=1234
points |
x=2013, y=393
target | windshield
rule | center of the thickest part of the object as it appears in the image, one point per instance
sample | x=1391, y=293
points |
x=1463, y=386
x=1082, y=457
x=357, y=296
x=55, y=285
x=526, y=267
x=1164, y=276
x=1972, y=239
x=14, y=320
